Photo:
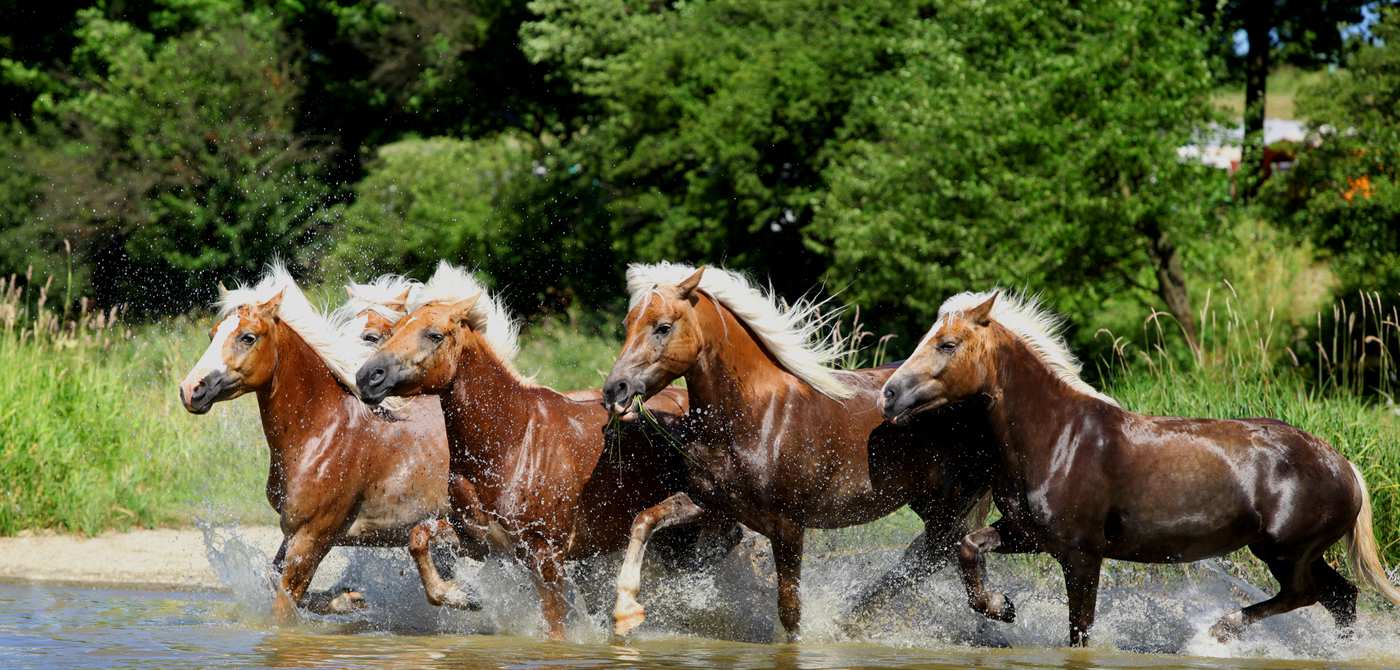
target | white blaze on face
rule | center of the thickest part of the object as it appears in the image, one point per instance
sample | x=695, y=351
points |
x=213, y=358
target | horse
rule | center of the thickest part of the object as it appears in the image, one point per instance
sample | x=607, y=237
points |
x=1083, y=479
x=338, y=474
x=542, y=468
x=775, y=437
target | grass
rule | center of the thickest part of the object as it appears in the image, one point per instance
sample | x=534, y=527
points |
x=1280, y=96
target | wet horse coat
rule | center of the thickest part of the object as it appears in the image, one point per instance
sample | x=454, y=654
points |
x=1082, y=479
x=777, y=440
x=532, y=462
x=338, y=474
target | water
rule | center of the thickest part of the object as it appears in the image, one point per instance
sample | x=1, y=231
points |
x=711, y=619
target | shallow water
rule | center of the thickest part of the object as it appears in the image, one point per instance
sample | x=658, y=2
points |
x=710, y=619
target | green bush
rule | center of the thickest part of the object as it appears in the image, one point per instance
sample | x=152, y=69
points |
x=506, y=205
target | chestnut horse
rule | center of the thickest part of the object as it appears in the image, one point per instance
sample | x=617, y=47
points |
x=338, y=474
x=775, y=438
x=1082, y=479
x=536, y=458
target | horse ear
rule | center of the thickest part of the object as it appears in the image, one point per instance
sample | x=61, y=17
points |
x=397, y=304
x=982, y=314
x=223, y=290
x=462, y=309
x=349, y=290
x=689, y=284
x=269, y=309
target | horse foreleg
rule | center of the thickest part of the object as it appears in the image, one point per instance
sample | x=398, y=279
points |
x=787, y=558
x=475, y=531
x=440, y=592
x=547, y=566
x=920, y=560
x=678, y=509
x=304, y=551
x=1082, y=588
x=972, y=564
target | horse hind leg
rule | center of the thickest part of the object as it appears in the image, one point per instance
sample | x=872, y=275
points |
x=1336, y=594
x=678, y=509
x=1298, y=587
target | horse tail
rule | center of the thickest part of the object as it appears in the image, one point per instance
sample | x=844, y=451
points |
x=1363, y=555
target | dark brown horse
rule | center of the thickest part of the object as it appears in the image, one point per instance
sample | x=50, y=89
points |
x=775, y=438
x=338, y=474
x=535, y=459
x=1082, y=479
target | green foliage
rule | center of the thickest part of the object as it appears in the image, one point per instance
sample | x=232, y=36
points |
x=178, y=162
x=712, y=116
x=506, y=205
x=1345, y=192
x=1021, y=145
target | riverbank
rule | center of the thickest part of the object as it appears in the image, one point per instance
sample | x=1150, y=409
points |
x=166, y=558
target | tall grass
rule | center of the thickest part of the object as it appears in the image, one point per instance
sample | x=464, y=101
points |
x=92, y=435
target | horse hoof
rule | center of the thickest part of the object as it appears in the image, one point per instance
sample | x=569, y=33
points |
x=347, y=602
x=1228, y=628
x=627, y=616
x=462, y=599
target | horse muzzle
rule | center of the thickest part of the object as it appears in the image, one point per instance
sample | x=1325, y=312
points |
x=622, y=396
x=378, y=377
x=901, y=399
x=200, y=396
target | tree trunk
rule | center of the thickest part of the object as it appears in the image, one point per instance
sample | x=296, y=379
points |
x=1258, y=23
x=1171, y=282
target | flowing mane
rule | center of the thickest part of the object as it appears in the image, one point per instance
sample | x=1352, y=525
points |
x=377, y=296
x=489, y=317
x=792, y=333
x=323, y=333
x=1037, y=327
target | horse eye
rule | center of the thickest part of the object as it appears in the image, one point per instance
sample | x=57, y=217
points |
x=433, y=336
x=948, y=347
x=372, y=338
x=663, y=329
x=248, y=339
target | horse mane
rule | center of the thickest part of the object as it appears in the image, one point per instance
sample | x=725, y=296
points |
x=488, y=317
x=375, y=296
x=322, y=332
x=792, y=333
x=1034, y=325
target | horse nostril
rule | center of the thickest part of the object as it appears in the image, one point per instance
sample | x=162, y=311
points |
x=376, y=376
x=889, y=393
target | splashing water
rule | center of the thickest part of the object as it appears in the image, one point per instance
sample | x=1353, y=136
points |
x=1142, y=609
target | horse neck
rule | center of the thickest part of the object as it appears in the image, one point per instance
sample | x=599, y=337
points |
x=1030, y=410
x=487, y=409
x=734, y=375
x=293, y=404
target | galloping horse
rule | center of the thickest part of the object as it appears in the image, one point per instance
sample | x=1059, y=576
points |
x=775, y=438
x=528, y=457
x=338, y=474
x=1082, y=479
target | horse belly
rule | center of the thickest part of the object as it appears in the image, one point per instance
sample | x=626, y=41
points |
x=388, y=514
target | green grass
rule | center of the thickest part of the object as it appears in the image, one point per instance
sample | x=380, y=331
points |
x=1280, y=96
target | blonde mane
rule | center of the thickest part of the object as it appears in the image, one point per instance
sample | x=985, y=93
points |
x=321, y=332
x=1035, y=326
x=794, y=333
x=488, y=317
x=376, y=297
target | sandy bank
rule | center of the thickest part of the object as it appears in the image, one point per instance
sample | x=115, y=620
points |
x=166, y=558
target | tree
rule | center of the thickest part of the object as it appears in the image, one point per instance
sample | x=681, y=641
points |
x=1307, y=33
x=1029, y=146
x=1345, y=192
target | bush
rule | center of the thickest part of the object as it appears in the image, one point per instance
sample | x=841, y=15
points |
x=505, y=205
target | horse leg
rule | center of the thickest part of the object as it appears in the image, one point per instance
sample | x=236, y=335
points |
x=305, y=550
x=1337, y=594
x=1297, y=588
x=475, y=532
x=547, y=566
x=787, y=558
x=1003, y=539
x=1082, y=588
x=673, y=511
x=439, y=591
